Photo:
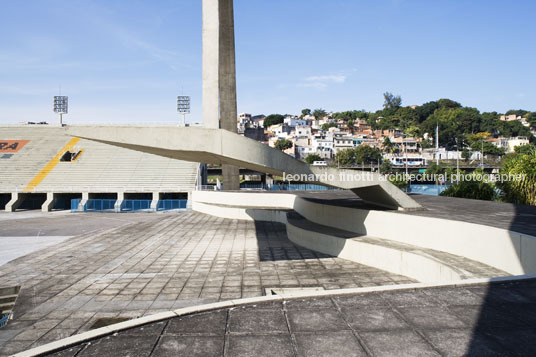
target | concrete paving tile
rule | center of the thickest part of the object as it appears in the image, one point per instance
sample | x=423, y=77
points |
x=340, y=343
x=153, y=329
x=463, y=342
x=373, y=319
x=486, y=317
x=120, y=346
x=410, y=298
x=208, y=323
x=316, y=320
x=455, y=296
x=304, y=304
x=431, y=317
x=260, y=346
x=257, y=321
x=200, y=346
x=519, y=342
x=397, y=343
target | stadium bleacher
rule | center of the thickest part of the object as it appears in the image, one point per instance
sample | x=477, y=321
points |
x=31, y=163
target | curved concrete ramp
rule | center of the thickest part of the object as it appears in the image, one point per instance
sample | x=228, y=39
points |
x=217, y=146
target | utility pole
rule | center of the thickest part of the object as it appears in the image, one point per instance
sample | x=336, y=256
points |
x=437, y=143
x=482, y=153
x=457, y=160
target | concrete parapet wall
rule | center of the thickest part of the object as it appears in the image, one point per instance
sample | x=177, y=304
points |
x=503, y=249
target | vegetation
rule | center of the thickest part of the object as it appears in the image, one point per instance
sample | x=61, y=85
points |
x=361, y=154
x=458, y=125
x=312, y=158
x=283, y=144
x=326, y=126
x=521, y=191
x=477, y=190
x=319, y=113
x=273, y=119
x=305, y=112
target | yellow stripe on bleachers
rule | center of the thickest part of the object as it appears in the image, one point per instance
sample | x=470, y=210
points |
x=51, y=164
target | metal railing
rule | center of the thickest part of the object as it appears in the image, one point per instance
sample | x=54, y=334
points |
x=109, y=205
x=285, y=187
x=135, y=205
x=167, y=205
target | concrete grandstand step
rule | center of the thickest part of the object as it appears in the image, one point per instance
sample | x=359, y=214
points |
x=100, y=167
x=422, y=264
x=388, y=254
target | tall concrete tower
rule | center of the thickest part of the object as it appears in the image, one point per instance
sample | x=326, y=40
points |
x=219, y=75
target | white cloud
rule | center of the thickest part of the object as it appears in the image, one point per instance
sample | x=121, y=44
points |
x=326, y=79
x=321, y=82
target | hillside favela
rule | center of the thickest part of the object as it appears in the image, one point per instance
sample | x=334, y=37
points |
x=267, y=178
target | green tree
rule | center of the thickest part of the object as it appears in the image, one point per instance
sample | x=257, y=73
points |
x=391, y=101
x=386, y=167
x=525, y=149
x=345, y=157
x=388, y=146
x=466, y=154
x=283, y=144
x=305, y=112
x=523, y=190
x=326, y=126
x=319, y=113
x=273, y=119
x=312, y=158
x=476, y=190
x=367, y=154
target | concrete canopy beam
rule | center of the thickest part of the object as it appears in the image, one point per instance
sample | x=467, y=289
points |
x=218, y=146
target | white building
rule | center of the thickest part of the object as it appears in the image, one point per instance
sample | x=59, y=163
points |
x=294, y=121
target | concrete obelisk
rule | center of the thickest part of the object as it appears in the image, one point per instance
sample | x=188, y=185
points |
x=219, y=75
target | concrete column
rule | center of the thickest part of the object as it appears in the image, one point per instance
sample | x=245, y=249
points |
x=154, y=202
x=219, y=75
x=120, y=199
x=85, y=197
x=211, y=64
x=15, y=202
x=48, y=205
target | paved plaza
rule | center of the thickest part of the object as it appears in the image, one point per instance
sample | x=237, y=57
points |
x=166, y=262
x=475, y=320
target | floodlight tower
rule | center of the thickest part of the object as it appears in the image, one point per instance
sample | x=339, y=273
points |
x=183, y=107
x=61, y=106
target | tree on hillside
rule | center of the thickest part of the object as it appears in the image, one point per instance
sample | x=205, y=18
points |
x=283, y=144
x=448, y=104
x=391, y=101
x=319, y=113
x=517, y=112
x=312, y=158
x=326, y=126
x=345, y=157
x=305, y=112
x=366, y=154
x=273, y=119
x=521, y=191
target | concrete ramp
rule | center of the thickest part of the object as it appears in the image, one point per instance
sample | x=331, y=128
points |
x=217, y=146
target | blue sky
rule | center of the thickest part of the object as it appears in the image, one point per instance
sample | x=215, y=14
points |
x=126, y=61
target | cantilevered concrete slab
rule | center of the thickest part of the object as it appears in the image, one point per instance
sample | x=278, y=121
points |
x=218, y=146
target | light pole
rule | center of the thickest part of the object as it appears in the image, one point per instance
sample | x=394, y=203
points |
x=183, y=107
x=61, y=106
x=437, y=142
x=482, y=153
x=457, y=160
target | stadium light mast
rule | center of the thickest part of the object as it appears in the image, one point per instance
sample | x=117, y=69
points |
x=183, y=107
x=61, y=106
